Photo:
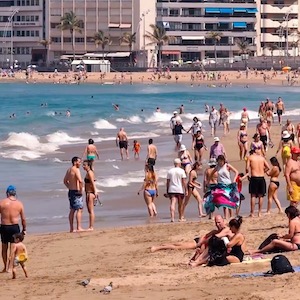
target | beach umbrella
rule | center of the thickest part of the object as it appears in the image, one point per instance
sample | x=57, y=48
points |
x=286, y=69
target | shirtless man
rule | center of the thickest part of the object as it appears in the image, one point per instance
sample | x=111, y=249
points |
x=152, y=153
x=256, y=167
x=292, y=177
x=74, y=184
x=280, y=109
x=201, y=255
x=91, y=151
x=290, y=128
x=264, y=133
x=122, y=142
x=11, y=210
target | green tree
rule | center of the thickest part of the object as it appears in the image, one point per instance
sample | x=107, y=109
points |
x=158, y=37
x=101, y=39
x=216, y=37
x=129, y=39
x=70, y=22
x=272, y=47
x=46, y=43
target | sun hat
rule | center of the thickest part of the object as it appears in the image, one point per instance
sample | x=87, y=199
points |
x=182, y=148
x=295, y=150
x=11, y=190
x=242, y=125
x=216, y=139
x=175, y=112
x=285, y=135
x=212, y=161
x=177, y=161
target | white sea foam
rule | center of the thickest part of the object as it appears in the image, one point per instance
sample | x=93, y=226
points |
x=131, y=120
x=122, y=180
x=294, y=112
x=110, y=160
x=103, y=124
x=25, y=155
x=92, y=133
x=62, y=138
x=157, y=117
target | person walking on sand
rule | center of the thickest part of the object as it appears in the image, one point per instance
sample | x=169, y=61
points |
x=122, y=142
x=274, y=185
x=280, y=109
x=90, y=191
x=178, y=134
x=74, y=183
x=213, y=120
x=176, y=189
x=257, y=166
x=11, y=210
x=217, y=149
x=150, y=188
x=91, y=151
x=292, y=177
x=290, y=128
x=242, y=138
x=245, y=117
x=285, y=147
x=151, y=153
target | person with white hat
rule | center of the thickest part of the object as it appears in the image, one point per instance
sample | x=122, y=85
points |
x=176, y=189
x=285, y=147
x=178, y=128
x=217, y=149
x=173, y=120
x=185, y=158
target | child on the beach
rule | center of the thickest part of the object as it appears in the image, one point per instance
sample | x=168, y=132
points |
x=18, y=254
x=136, y=148
x=239, y=180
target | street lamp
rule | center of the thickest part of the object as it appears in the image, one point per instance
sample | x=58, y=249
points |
x=143, y=17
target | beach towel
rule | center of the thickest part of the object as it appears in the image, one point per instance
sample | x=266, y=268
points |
x=259, y=274
x=223, y=195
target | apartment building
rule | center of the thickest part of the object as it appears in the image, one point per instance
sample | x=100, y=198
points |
x=21, y=29
x=278, y=27
x=114, y=17
x=190, y=22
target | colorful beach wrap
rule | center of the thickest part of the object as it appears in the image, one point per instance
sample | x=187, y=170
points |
x=221, y=195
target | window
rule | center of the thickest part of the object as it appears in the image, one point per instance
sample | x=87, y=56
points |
x=174, y=12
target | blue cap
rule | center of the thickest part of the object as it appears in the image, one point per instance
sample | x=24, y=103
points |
x=11, y=190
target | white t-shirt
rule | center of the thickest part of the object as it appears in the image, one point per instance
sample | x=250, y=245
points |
x=175, y=176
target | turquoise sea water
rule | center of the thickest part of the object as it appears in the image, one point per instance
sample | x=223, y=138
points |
x=33, y=144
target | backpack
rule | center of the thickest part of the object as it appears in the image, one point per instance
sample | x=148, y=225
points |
x=280, y=265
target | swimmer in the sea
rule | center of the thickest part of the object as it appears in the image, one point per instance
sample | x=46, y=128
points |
x=68, y=113
x=116, y=106
x=157, y=109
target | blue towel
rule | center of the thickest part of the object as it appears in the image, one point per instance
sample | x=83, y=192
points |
x=259, y=274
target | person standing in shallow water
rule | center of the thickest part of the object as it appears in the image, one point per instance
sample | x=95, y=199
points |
x=91, y=151
x=74, y=184
x=122, y=142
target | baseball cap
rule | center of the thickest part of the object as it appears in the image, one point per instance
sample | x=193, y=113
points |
x=177, y=161
x=216, y=139
x=295, y=150
x=212, y=162
x=11, y=190
x=175, y=112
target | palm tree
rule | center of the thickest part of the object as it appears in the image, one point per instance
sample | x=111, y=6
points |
x=158, y=37
x=272, y=47
x=101, y=39
x=46, y=43
x=244, y=48
x=129, y=39
x=70, y=22
x=216, y=37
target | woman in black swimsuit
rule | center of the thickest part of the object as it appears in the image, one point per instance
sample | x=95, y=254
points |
x=242, y=138
x=90, y=191
x=199, y=146
x=286, y=242
x=274, y=185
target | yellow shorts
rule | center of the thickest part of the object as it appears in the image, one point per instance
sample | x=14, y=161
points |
x=295, y=196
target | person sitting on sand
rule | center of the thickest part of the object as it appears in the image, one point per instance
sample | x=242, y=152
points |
x=286, y=242
x=198, y=242
x=18, y=254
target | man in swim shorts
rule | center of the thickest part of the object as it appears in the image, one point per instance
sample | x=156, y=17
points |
x=280, y=109
x=122, y=142
x=74, y=184
x=11, y=210
x=152, y=153
x=292, y=177
x=257, y=166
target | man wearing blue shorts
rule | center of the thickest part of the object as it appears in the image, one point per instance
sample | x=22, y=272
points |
x=74, y=183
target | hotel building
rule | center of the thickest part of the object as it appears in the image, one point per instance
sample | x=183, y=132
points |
x=21, y=29
x=190, y=21
x=278, y=22
x=113, y=17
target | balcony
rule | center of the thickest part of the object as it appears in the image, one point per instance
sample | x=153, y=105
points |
x=273, y=9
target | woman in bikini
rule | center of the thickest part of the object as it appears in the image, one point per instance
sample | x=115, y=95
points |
x=186, y=159
x=257, y=144
x=274, y=185
x=192, y=186
x=242, y=138
x=199, y=146
x=150, y=190
x=90, y=191
x=245, y=117
x=286, y=242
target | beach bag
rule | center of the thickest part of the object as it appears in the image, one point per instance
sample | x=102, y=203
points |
x=268, y=240
x=280, y=265
x=217, y=252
